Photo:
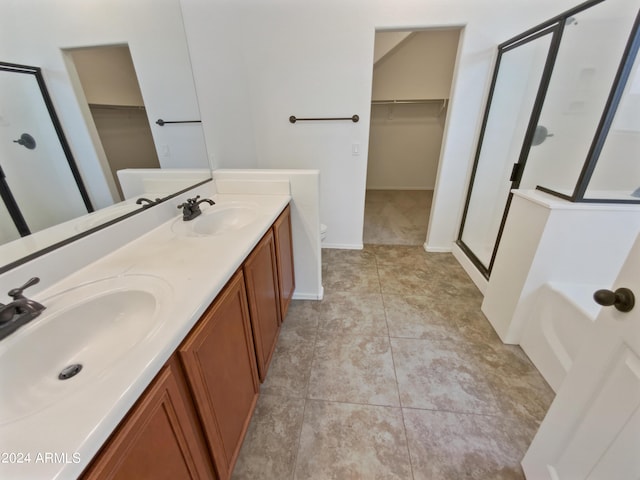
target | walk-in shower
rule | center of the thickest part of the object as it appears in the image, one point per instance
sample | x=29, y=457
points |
x=562, y=116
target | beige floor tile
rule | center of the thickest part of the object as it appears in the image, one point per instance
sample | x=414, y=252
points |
x=337, y=256
x=412, y=316
x=303, y=317
x=399, y=280
x=350, y=277
x=397, y=217
x=464, y=311
x=270, y=446
x=410, y=256
x=520, y=389
x=452, y=446
x=481, y=401
x=441, y=375
x=353, y=369
x=352, y=442
x=526, y=399
x=349, y=314
x=290, y=365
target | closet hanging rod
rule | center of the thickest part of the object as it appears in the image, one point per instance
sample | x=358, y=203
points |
x=162, y=122
x=406, y=102
x=105, y=106
x=293, y=119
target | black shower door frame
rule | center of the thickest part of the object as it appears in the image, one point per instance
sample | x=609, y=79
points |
x=555, y=27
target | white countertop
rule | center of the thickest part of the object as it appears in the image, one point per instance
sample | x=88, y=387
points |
x=195, y=269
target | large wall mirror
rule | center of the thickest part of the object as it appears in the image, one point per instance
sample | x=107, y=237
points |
x=108, y=81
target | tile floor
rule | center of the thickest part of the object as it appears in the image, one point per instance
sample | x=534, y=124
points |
x=396, y=374
x=396, y=217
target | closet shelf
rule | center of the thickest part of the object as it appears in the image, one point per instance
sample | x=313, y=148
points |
x=410, y=101
x=116, y=107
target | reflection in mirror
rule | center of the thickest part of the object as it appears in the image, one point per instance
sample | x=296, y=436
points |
x=44, y=201
x=39, y=182
x=112, y=93
x=159, y=65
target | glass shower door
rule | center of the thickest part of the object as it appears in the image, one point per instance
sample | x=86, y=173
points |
x=36, y=168
x=514, y=93
x=593, y=42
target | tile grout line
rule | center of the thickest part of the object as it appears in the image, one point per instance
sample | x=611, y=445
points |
x=295, y=460
x=395, y=373
x=306, y=399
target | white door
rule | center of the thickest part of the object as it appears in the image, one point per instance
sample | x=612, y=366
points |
x=592, y=430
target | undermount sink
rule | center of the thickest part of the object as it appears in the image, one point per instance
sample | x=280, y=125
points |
x=218, y=220
x=95, y=325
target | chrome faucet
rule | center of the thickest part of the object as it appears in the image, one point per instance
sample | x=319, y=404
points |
x=191, y=208
x=20, y=311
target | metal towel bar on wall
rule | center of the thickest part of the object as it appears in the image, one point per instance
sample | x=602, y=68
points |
x=293, y=119
x=162, y=122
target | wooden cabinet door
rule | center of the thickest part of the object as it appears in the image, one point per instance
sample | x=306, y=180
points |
x=158, y=439
x=261, y=278
x=284, y=255
x=219, y=360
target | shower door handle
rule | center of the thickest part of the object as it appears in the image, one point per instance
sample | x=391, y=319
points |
x=623, y=299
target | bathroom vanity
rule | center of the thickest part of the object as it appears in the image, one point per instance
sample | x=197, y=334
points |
x=181, y=326
x=216, y=369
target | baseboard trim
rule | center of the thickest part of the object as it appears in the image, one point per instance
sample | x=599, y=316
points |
x=476, y=277
x=344, y=246
x=427, y=248
x=309, y=296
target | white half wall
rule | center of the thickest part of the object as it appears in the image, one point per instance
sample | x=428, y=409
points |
x=548, y=239
x=257, y=63
x=156, y=182
x=305, y=218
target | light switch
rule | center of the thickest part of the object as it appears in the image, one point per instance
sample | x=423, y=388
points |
x=355, y=149
x=164, y=151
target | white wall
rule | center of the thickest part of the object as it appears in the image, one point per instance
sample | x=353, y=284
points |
x=618, y=168
x=34, y=32
x=405, y=139
x=420, y=67
x=404, y=146
x=587, y=62
x=385, y=42
x=256, y=63
x=108, y=76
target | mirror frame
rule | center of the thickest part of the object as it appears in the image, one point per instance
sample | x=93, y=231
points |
x=37, y=73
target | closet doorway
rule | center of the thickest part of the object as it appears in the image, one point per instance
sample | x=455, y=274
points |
x=412, y=76
x=108, y=80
